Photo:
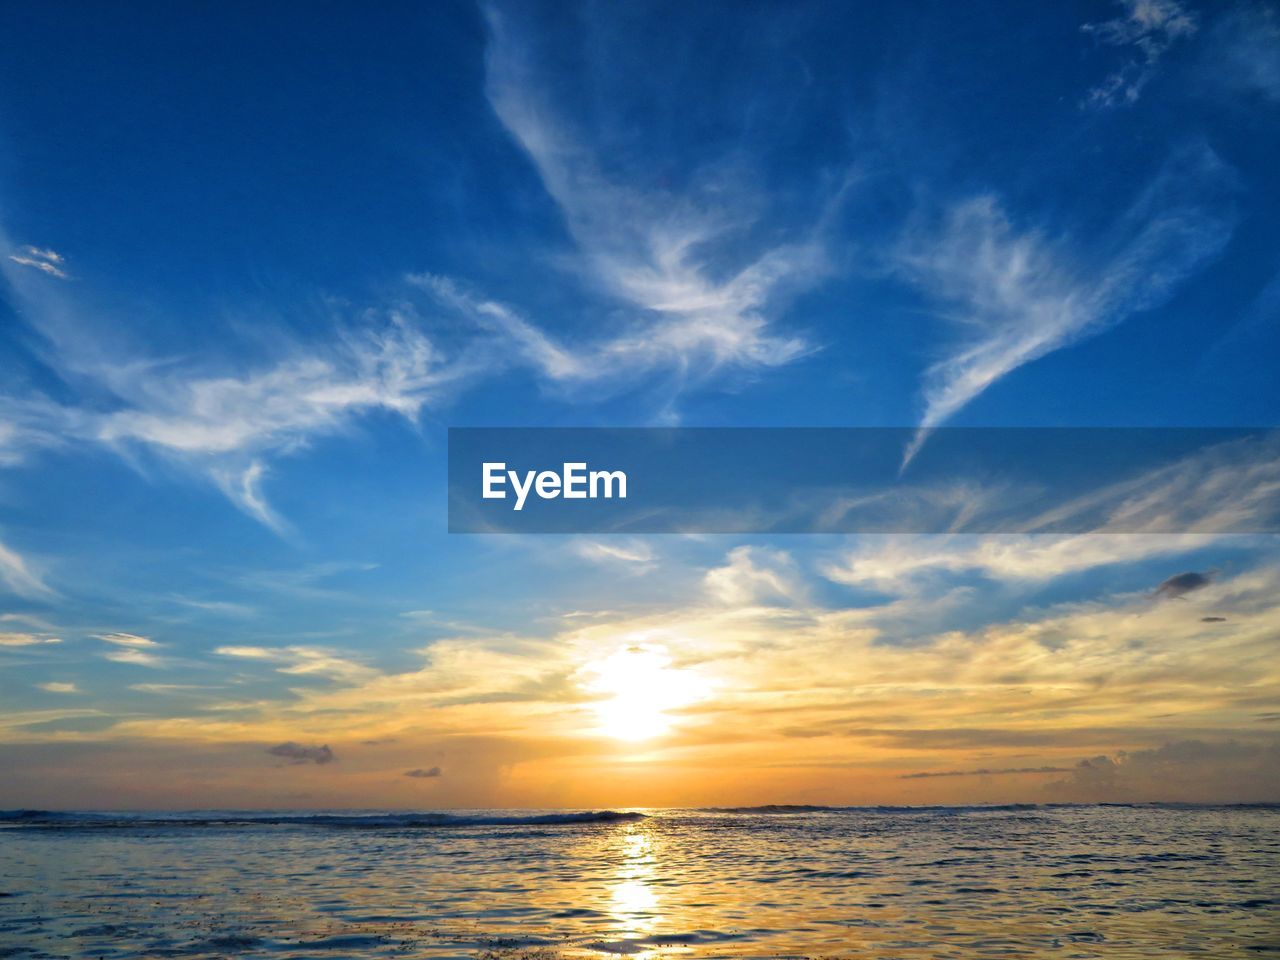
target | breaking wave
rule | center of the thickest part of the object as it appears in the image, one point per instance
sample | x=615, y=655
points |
x=50, y=819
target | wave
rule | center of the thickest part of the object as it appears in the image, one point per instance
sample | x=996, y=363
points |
x=382, y=821
x=968, y=808
x=773, y=808
x=783, y=808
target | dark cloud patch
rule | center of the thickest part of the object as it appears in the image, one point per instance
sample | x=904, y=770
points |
x=430, y=773
x=297, y=753
x=1180, y=584
x=381, y=741
x=1190, y=770
x=969, y=738
x=1213, y=619
x=999, y=772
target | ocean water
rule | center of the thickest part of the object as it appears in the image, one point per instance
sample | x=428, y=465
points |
x=1059, y=881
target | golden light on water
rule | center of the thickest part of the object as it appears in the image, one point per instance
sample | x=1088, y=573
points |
x=638, y=686
x=634, y=901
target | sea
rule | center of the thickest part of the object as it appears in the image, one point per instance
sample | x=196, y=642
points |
x=1114, y=881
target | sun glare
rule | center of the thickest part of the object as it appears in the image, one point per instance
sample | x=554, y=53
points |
x=638, y=686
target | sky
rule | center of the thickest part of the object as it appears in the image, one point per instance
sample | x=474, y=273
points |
x=256, y=259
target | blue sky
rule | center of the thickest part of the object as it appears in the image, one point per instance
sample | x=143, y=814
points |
x=256, y=260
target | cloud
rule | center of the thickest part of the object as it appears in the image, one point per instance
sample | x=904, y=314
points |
x=137, y=651
x=805, y=687
x=633, y=552
x=430, y=773
x=1180, y=584
x=897, y=563
x=1017, y=294
x=225, y=425
x=18, y=576
x=1208, y=771
x=127, y=640
x=697, y=280
x=1244, y=51
x=46, y=261
x=982, y=772
x=55, y=686
x=754, y=575
x=664, y=253
x=1213, y=619
x=1143, y=33
x=223, y=607
x=137, y=658
x=244, y=488
x=1229, y=487
x=537, y=348
x=248, y=653
x=296, y=753
x=25, y=639
x=301, y=660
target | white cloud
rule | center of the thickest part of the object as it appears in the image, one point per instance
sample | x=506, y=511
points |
x=535, y=347
x=247, y=653
x=894, y=563
x=278, y=408
x=134, y=657
x=1229, y=487
x=633, y=552
x=1144, y=32
x=653, y=249
x=301, y=661
x=755, y=576
x=127, y=640
x=44, y=260
x=18, y=576
x=225, y=426
x=1018, y=294
x=54, y=686
x=25, y=639
x=244, y=488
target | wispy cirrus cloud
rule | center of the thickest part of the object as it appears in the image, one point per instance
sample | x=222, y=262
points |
x=634, y=552
x=895, y=563
x=1019, y=293
x=25, y=639
x=1143, y=32
x=17, y=574
x=301, y=661
x=45, y=260
x=228, y=425
x=1243, y=51
x=661, y=251
x=128, y=640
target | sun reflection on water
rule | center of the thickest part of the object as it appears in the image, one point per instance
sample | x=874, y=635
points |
x=633, y=898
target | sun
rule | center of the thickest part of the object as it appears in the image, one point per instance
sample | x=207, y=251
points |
x=637, y=686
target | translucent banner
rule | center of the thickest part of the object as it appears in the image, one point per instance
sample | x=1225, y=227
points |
x=864, y=480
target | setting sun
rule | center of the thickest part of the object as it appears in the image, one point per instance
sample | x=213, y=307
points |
x=638, y=686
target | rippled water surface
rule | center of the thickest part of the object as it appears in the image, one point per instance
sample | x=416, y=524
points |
x=1065, y=882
